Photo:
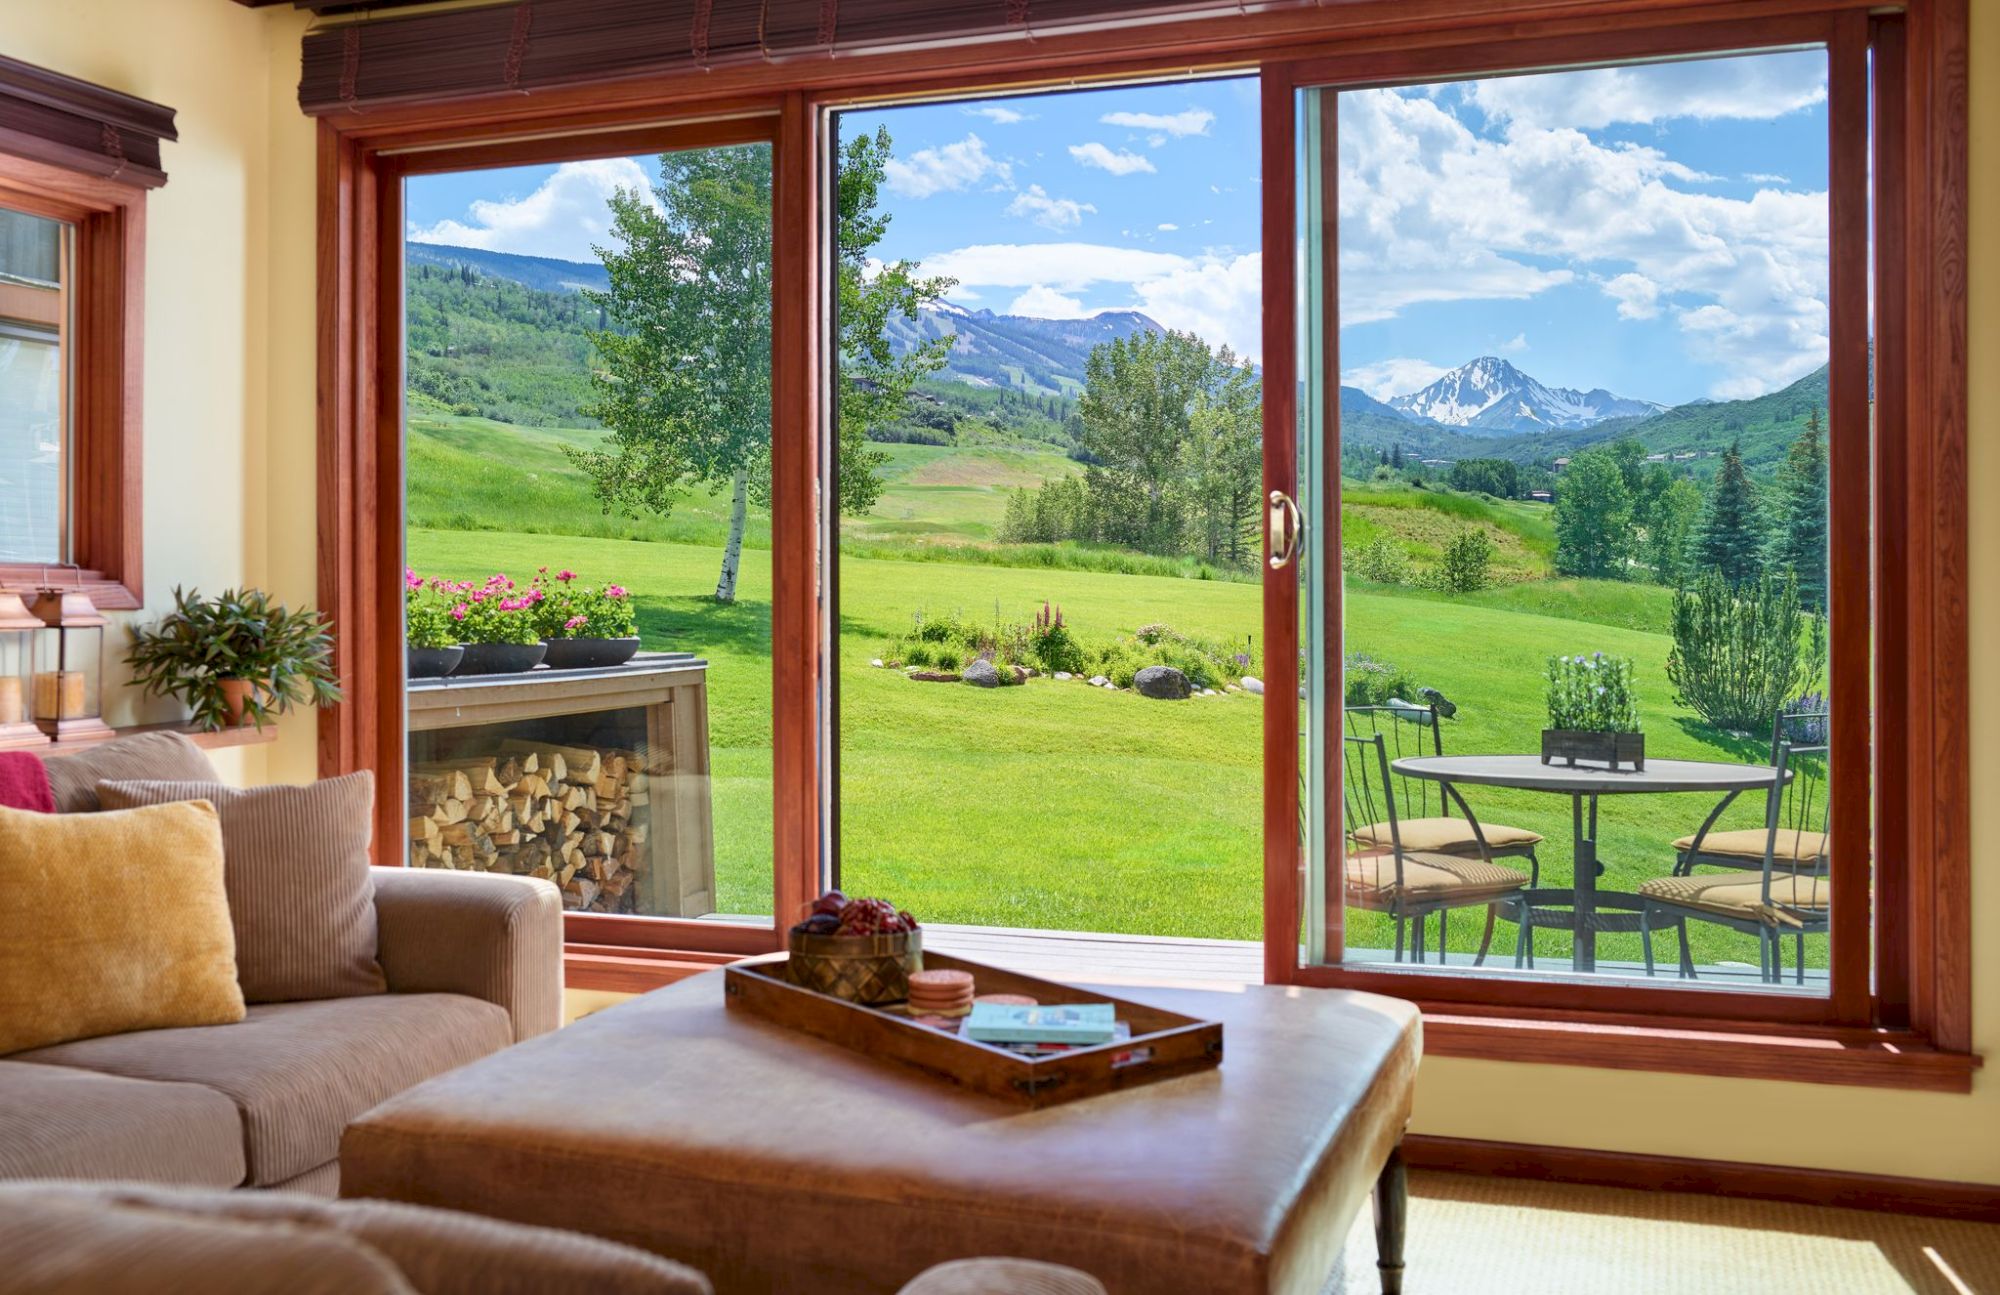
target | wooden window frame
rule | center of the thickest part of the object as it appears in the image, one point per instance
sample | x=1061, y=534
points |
x=106, y=343
x=1913, y=1030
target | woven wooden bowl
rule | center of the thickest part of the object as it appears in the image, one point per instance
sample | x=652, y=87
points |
x=870, y=969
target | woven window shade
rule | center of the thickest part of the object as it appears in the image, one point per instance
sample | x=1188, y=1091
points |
x=540, y=44
x=54, y=118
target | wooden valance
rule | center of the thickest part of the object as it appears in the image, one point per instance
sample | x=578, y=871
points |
x=60, y=120
x=539, y=44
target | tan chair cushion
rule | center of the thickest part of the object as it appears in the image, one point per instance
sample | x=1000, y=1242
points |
x=437, y=1252
x=295, y=864
x=1741, y=894
x=72, y=1240
x=299, y=1072
x=1748, y=843
x=1427, y=875
x=74, y=778
x=58, y=1122
x=1450, y=834
x=113, y=922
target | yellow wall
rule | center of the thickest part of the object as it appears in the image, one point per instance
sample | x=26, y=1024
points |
x=229, y=497
x=229, y=313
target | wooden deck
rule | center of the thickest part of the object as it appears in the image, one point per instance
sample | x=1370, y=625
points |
x=1171, y=960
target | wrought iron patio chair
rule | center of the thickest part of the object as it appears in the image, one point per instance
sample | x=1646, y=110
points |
x=1425, y=807
x=1744, y=847
x=1408, y=884
x=1783, y=897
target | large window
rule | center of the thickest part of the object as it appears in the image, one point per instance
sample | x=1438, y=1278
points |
x=1636, y=339
x=1583, y=434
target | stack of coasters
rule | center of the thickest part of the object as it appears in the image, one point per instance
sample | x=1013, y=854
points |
x=940, y=993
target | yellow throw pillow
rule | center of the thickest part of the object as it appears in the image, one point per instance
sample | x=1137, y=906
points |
x=113, y=922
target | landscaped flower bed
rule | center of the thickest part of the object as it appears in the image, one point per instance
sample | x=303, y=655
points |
x=951, y=648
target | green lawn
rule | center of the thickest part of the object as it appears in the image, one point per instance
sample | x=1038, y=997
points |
x=1061, y=806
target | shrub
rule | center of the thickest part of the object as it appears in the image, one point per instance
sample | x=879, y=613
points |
x=916, y=653
x=1592, y=694
x=1742, y=652
x=565, y=609
x=1052, y=645
x=947, y=658
x=1368, y=682
x=1804, y=720
x=1382, y=561
x=1466, y=567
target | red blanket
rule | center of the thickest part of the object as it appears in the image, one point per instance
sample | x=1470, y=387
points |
x=24, y=783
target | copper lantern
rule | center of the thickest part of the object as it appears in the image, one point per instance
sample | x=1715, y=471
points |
x=68, y=704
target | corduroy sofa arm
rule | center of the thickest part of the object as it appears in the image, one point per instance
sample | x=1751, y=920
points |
x=487, y=936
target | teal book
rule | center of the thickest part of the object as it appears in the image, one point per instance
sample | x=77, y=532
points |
x=1074, y=1023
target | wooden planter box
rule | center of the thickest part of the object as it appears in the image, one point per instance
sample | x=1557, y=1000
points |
x=1163, y=1044
x=624, y=827
x=1608, y=749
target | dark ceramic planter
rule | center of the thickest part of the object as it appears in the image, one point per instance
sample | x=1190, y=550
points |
x=434, y=663
x=590, y=654
x=500, y=658
x=1610, y=749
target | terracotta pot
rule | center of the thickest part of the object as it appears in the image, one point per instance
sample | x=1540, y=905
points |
x=236, y=693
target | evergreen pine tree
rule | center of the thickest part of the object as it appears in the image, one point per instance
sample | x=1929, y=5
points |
x=1732, y=532
x=1396, y=457
x=1798, y=544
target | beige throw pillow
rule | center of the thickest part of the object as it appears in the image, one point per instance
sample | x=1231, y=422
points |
x=73, y=777
x=301, y=897
x=111, y=923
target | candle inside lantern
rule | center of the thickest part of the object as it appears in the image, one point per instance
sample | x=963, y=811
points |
x=10, y=700
x=59, y=694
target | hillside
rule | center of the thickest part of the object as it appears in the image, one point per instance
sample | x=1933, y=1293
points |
x=542, y=272
x=491, y=347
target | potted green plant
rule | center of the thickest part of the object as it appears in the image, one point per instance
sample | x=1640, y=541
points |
x=585, y=627
x=500, y=626
x=1592, y=714
x=430, y=634
x=235, y=658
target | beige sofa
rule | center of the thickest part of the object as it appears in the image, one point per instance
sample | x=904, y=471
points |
x=473, y=963
x=61, y=1238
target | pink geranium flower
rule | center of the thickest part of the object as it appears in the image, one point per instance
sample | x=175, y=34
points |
x=411, y=580
x=576, y=622
x=614, y=591
x=565, y=575
x=458, y=613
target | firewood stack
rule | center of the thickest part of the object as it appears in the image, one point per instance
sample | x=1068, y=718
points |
x=574, y=815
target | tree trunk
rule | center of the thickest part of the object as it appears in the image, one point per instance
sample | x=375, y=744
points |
x=732, y=552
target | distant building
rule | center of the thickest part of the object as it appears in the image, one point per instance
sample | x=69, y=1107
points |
x=1656, y=458
x=1561, y=464
x=1542, y=496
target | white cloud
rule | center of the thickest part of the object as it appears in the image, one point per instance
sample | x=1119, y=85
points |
x=1432, y=211
x=945, y=168
x=998, y=115
x=1195, y=121
x=1515, y=344
x=564, y=217
x=1757, y=87
x=1397, y=377
x=1766, y=177
x=1638, y=297
x=1066, y=266
x=1219, y=298
x=1167, y=227
x=1046, y=303
x=1116, y=161
x=1050, y=213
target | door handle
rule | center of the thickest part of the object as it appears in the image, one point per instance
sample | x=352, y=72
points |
x=1286, y=527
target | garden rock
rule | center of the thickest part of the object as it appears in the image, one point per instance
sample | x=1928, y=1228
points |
x=934, y=676
x=877, y=663
x=982, y=673
x=1162, y=683
x=1064, y=674
x=1252, y=683
x=1099, y=681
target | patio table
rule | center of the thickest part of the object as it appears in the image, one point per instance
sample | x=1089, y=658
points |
x=1583, y=785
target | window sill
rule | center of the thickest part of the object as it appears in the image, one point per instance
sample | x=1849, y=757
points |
x=1789, y=1054
x=249, y=735
x=625, y=970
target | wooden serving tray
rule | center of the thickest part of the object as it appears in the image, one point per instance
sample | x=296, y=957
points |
x=1163, y=1044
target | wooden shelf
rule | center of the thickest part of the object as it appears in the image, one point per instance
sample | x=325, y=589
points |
x=208, y=741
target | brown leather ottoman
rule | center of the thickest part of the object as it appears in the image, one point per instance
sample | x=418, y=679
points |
x=775, y=1162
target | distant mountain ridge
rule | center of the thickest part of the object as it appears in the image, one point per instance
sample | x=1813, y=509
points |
x=1042, y=356
x=1490, y=397
x=544, y=273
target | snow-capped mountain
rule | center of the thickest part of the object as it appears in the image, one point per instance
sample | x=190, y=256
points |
x=1044, y=356
x=1490, y=397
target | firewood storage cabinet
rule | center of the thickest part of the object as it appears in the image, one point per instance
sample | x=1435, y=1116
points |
x=595, y=779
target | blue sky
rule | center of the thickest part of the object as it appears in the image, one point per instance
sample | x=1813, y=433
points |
x=1659, y=231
